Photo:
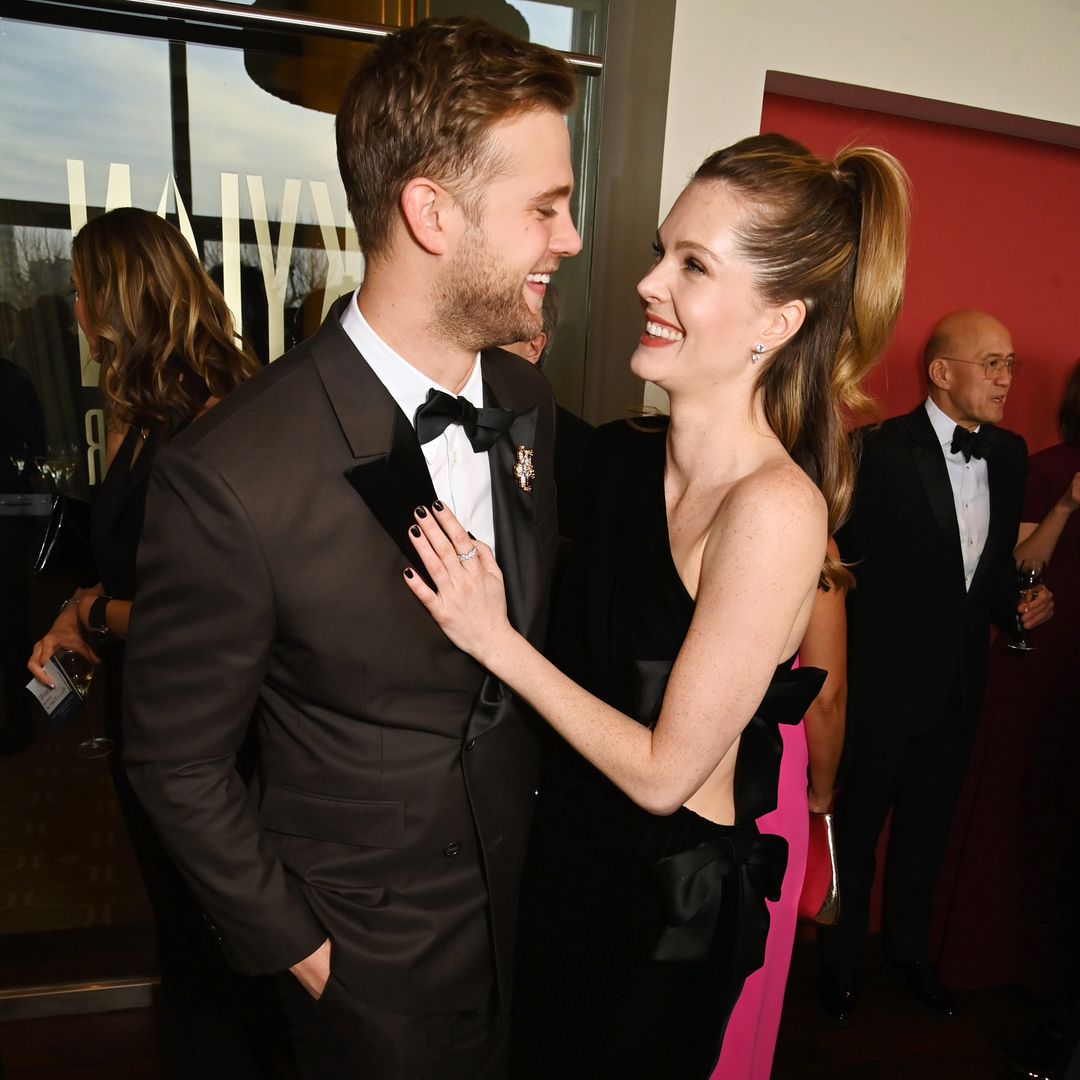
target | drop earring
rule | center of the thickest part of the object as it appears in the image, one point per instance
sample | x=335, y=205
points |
x=755, y=356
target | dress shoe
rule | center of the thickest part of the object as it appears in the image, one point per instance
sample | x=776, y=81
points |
x=922, y=978
x=836, y=991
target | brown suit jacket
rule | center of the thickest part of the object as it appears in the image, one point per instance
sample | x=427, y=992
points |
x=395, y=779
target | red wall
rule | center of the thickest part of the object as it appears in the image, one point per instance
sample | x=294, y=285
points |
x=996, y=226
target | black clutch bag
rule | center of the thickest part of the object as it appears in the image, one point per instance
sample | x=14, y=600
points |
x=67, y=551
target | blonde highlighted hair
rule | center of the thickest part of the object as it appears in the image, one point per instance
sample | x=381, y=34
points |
x=160, y=327
x=833, y=234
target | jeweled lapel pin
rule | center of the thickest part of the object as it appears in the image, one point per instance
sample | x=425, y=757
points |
x=523, y=469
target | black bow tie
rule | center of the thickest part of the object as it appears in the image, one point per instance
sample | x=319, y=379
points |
x=972, y=444
x=482, y=426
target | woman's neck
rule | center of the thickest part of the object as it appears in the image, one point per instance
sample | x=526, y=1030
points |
x=717, y=441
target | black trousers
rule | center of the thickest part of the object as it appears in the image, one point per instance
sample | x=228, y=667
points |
x=919, y=777
x=342, y=1038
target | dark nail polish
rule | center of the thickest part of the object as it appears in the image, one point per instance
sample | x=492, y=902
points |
x=470, y=535
x=415, y=530
x=408, y=573
x=437, y=506
x=421, y=512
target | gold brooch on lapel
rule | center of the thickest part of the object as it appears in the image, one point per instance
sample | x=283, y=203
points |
x=523, y=469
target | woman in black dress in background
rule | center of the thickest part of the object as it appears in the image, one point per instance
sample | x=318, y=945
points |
x=164, y=337
x=776, y=282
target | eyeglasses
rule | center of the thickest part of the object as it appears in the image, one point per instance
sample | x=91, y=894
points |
x=992, y=366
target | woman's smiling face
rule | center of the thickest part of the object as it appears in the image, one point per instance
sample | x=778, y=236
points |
x=703, y=314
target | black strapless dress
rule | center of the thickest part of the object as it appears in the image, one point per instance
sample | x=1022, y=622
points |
x=638, y=931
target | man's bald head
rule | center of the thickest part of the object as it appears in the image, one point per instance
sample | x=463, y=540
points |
x=955, y=332
x=969, y=364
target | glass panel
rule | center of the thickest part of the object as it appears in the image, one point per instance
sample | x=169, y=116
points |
x=236, y=147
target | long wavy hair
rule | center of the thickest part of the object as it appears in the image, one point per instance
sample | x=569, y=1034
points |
x=159, y=326
x=833, y=234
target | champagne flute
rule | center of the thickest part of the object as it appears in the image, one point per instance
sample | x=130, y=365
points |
x=1029, y=578
x=80, y=672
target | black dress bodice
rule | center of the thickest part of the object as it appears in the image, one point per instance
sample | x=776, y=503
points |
x=625, y=613
x=635, y=925
x=119, y=508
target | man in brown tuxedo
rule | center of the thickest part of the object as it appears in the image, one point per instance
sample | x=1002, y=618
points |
x=377, y=854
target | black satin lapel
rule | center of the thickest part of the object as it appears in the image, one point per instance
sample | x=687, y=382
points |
x=995, y=472
x=394, y=484
x=515, y=550
x=512, y=510
x=488, y=708
x=934, y=474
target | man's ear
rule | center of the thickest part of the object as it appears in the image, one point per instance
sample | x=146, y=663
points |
x=535, y=349
x=938, y=374
x=783, y=325
x=427, y=209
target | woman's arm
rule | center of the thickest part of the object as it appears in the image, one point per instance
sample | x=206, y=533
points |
x=65, y=633
x=67, y=627
x=116, y=614
x=825, y=646
x=759, y=572
x=1037, y=541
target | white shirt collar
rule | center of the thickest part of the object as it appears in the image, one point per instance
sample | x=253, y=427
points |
x=944, y=425
x=406, y=384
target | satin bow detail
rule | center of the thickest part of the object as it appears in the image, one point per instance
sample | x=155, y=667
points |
x=482, y=426
x=691, y=885
x=972, y=444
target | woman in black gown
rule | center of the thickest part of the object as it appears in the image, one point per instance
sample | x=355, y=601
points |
x=776, y=282
x=164, y=337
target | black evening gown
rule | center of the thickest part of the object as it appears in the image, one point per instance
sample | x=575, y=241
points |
x=637, y=931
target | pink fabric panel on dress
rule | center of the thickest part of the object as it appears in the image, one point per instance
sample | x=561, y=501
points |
x=750, y=1040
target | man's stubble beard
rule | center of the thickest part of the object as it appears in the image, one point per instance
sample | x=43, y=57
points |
x=481, y=301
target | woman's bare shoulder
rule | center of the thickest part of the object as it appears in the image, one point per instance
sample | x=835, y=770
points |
x=778, y=490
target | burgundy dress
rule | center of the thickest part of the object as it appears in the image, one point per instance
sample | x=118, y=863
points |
x=1009, y=901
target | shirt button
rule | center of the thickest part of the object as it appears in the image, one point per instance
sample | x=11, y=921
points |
x=470, y=744
x=452, y=849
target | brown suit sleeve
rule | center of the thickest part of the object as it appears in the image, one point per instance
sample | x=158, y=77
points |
x=200, y=634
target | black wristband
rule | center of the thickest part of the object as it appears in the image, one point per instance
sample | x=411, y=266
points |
x=96, y=619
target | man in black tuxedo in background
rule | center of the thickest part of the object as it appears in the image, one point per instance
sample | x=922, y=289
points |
x=378, y=853
x=933, y=523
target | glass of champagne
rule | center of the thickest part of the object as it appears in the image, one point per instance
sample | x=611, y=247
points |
x=80, y=672
x=1029, y=577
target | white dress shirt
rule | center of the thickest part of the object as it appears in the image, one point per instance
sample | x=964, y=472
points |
x=970, y=482
x=461, y=476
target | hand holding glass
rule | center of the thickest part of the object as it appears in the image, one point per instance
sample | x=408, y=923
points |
x=80, y=672
x=1029, y=578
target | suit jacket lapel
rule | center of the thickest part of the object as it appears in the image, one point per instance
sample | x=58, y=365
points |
x=997, y=477
x=390, y=473
x=513, y=510
x=934, y=474
x=394, y=484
